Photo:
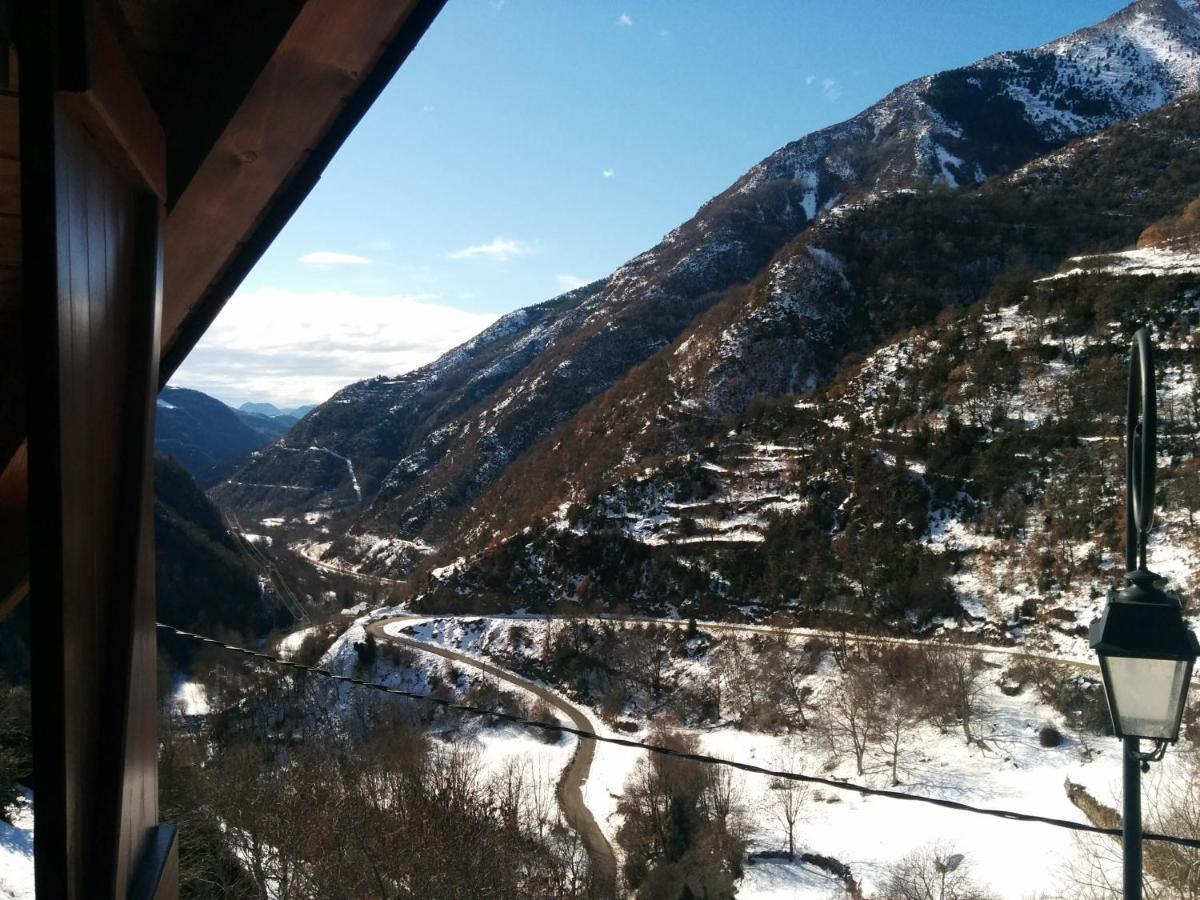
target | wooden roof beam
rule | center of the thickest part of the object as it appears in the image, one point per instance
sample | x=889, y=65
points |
x=330, y=67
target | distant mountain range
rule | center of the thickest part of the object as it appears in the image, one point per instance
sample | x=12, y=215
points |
x=210, y=439
x=273, y=411
x=954, y=189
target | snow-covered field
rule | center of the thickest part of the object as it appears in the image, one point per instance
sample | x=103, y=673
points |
x=1008, y=769
x=16, y=853
x=1142, y=261
x=498, y=745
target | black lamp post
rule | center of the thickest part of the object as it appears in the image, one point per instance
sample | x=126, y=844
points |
x=1146, y=649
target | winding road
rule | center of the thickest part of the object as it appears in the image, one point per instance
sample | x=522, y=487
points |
x=570, y=786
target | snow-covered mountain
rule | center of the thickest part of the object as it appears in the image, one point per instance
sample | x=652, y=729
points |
x=828, y=246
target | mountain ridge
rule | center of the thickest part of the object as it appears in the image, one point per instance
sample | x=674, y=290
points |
x=427, y=445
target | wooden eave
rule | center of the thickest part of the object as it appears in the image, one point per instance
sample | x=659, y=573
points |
x=328, y=69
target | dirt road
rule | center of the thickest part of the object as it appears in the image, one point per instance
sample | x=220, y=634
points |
x=570, y=786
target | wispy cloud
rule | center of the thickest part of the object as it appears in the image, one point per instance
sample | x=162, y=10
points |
x=569, y=282
x=379, y=245
x=624, y=20
x=291, y=347
x=607, y=173
x=500, y=249
x=830, y=87
x=332, y=258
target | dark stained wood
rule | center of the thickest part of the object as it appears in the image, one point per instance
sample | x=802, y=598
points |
x=10, y=241
x=14, y=549
x=113, y=105
x=12, y=381
x=132, y=632
x=92, y=294
x=10, y=255
x=10, y=135
x=10, y=187
x=10, y=288
x=247, y=133
x=198, y=59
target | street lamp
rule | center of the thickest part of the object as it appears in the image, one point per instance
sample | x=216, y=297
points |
x=1145, y=648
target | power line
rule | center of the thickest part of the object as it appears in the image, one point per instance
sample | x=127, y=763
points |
x=558, y=727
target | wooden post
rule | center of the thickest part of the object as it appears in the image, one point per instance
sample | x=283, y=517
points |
x=91, y=191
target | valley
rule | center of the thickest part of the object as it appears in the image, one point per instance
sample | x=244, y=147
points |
x=1005, y=764
x=828, y=481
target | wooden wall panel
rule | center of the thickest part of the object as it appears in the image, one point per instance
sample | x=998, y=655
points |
x=105, y=359
x=14, y=561
x=92, y=296
x=10, y=137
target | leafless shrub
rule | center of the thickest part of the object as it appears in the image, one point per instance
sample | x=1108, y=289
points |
x=934, y=872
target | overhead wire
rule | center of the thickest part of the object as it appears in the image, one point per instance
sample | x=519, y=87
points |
x=702, y=758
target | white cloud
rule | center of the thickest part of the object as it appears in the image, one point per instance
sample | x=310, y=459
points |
x=569, y=282
x=608, y=173
x=292, y=347
x=810, y=79
x=831, y=87
x=501, y=249
x=331, y=258
x=624, y=20
x=379, y=245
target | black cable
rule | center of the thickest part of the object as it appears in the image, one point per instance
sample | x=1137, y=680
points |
x=833, y=783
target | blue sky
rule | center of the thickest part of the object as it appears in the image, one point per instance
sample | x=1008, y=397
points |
x=528, y=145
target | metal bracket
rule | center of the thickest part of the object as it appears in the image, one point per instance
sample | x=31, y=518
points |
x=1155, y=755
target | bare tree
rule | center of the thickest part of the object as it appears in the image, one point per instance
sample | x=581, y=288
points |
x=788, y=797
x=850, y=713
x=896, y=716
x=955, y=676
x=723, y=797
x=741, y=678
x=643, y=655
x=898, y=708
x=934, y=872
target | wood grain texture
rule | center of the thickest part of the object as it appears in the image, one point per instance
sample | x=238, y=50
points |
x=10, y=241
x=117, y=112
x=92, y=294
x=10, y=187
x=10, y=250
x=14, y=550
x=10, y=135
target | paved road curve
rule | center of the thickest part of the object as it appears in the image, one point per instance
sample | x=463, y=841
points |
x=570, y=786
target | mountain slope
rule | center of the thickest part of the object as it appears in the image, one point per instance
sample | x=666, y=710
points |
x=207, y=437
x=967, y=471
x=204, y=580
x=408, y=458
x=850, y=282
